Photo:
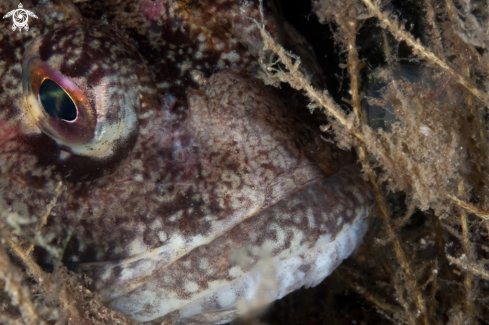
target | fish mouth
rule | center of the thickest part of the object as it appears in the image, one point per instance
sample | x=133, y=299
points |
x=295, y=242
x=268, y=281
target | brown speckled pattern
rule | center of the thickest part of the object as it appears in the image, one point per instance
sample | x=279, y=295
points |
x=218, y=163
x=184, y=37
x=286, y=229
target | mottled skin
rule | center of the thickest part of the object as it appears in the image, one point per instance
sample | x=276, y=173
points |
x=213, y=176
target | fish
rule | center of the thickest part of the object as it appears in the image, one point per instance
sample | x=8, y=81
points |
x=141, y=143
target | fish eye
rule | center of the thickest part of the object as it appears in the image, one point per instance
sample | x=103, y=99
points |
x=56, y=102
x=88, y=102
x=61, y=108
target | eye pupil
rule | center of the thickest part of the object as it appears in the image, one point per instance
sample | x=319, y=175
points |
x=56, y=101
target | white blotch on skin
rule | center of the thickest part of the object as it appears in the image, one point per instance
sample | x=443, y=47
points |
x=63, y=155
x=201, y=37
x=203, y=264
x=191, y=287
x=226, y=298
x=106, y=274
x=219, y=46
x=231, y=56
x=359, y=196
x=310, y=218
x=235, y=272
x=162, y=236
x=175, y=216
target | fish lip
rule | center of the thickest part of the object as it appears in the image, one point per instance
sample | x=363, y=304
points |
x=114, y=278
x=253, y=286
